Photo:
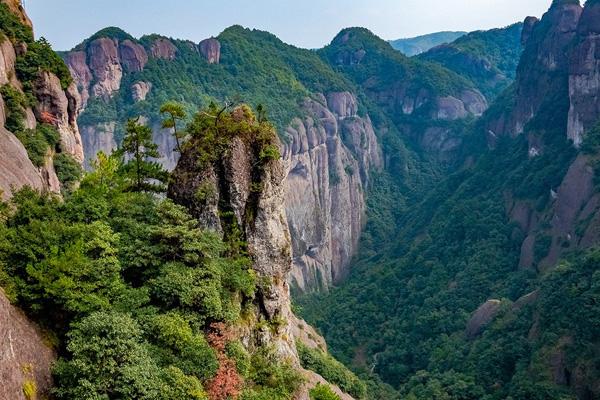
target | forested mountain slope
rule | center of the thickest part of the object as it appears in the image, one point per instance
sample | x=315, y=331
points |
x=332, y=134
x=488, y=58
x=420, y=44
x=487, y=286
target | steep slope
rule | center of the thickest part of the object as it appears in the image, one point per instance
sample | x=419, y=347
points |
x=420, y=44
x=38, y=111
x=488, y=58
x=328, y=142
x=428, y=104
x=476, y=295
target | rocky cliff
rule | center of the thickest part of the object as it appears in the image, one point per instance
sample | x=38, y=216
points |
x=328, y=148
x=329, y=155
x=51, y=103
x=25, y=356
x=233, y=188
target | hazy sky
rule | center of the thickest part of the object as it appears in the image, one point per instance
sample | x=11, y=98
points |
x=304, y=23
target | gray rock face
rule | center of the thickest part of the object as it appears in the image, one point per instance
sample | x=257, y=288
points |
x=24, y=356
x=329, y=156
x=584, y=75
x=140, y=90
x=544, y=65
x=260, y=216
x=482, y=317
x=211, y=50
x=54, y=106
x=104, y=62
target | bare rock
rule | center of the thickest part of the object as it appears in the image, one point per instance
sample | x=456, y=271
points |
x=528, y=27
x=450, y=108
x=24, y=355
x=60, y=108
x=163, y=48
x=342, y=104
x=328, y=157
x=211, y=50
x=133, y=56
x=584, y=75
x=104, y=62
x=8, y=58
x=99, y=138
x=82, y=75
x=482, y=317
x=140, y=90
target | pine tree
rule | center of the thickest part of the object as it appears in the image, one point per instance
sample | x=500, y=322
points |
x=174, y=113
x=142, y=174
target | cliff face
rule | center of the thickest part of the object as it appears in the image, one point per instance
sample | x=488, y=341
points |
x=52, y=105
x=329, y=155
x=329, y=151
x=26, y=359
x=241, y=195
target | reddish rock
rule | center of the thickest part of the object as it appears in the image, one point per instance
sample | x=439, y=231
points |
x=211, y=50
x=82, y=75
x=163, y=48
x=133, y=56
x=104, y=62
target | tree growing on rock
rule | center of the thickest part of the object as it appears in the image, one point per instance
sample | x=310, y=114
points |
x=173, y=113
x=143, y=174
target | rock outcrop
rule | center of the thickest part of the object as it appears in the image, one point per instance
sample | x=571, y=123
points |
x=482, y=317
x=53, y=106
x=329, y=154
x=211, y=50
x=584, y=75
x=544, y=67
x=230, y=188
x=163, y=48
x=25, y=358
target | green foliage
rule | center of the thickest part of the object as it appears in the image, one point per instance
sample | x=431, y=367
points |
x=38, y=141
x=15, y=102
x=322, y=392
x=40, y=57
x=175, y=113
x=272, y=379
x=487, y=58
x=332, y=370
x=237, y=352
x=142, y=174
x=431, y=254
x=68, y=170
x=12, y=27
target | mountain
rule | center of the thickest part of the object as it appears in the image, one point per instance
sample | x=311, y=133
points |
x=420, y=44
x=488, y=58
x=108, y=288
x=327, y=127
x=487, y=285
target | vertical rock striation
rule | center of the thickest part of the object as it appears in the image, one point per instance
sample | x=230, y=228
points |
x=329, y=154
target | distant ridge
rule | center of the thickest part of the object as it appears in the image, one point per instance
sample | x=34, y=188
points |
x=420, y=44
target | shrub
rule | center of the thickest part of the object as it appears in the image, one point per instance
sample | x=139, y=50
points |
x=332, y=370
x=322, y=392
x=67, y=169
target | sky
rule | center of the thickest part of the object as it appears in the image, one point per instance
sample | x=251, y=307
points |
x=304, y=23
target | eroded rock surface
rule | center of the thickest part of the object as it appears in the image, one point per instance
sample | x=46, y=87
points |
x=25, y=358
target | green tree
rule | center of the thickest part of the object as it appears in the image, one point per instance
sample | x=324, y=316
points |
x=173, y=113
x=322, y=392
x=144, y=175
